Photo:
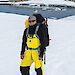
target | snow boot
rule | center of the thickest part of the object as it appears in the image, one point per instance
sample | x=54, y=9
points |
x=25, y=70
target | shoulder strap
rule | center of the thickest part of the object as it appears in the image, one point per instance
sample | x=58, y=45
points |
x=35, y=31
x=37, y=28
x=43, y=22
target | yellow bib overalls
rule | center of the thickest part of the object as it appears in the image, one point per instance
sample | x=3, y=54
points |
x=32, y=54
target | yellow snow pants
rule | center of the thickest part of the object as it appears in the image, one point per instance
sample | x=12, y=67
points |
x=30, y=57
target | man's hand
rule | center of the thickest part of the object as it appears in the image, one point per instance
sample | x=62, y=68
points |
x=22, y=56
x=40, y=58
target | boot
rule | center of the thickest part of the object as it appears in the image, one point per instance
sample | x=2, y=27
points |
x=38, y=71
x=25, y=70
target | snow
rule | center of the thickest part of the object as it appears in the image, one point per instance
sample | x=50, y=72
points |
x=11, y=30
x=61, y=50
x=60, y=59
x=47, y=2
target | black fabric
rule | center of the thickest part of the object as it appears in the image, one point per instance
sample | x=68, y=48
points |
x=42, y=52
x=38, y=71
x=32, y=29
x=39, y=18
x=25, y=70
x=24, y=40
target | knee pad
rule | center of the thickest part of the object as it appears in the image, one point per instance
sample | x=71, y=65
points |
x=25, y=70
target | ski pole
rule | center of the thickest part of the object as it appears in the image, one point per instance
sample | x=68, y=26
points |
x=44, y=58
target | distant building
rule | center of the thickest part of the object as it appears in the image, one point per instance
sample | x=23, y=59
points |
x=17, y=0
x=70, y=0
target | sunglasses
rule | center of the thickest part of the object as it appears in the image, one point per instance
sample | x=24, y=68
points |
x=32, y=21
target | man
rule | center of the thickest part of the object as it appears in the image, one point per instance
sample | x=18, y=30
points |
x=33, y=47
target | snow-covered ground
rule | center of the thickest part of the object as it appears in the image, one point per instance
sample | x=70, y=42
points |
x=60, y=54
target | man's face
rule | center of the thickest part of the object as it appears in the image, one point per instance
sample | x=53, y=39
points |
x=31, y=21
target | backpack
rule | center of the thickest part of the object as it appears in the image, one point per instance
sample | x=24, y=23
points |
x=41, y=21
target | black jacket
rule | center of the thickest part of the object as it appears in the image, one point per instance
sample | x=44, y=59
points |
x=42, y=38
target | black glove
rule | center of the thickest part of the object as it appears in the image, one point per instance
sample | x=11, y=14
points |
x=42, y=50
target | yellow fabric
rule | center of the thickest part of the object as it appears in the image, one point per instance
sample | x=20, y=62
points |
x=33, y=42
x=26, y=24
x=30, y=57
